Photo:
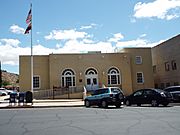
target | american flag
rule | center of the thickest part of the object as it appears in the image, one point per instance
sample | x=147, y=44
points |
x=28, y=29
x=29, y=17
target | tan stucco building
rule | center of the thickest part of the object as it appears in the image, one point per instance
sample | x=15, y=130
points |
x=166, y=63
x=130, y=69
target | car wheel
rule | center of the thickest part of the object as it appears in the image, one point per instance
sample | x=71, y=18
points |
x=104, y=104
x=87, y=103
x=3, y=94
x=128, y=103
x=138, y=104
x=154, y=103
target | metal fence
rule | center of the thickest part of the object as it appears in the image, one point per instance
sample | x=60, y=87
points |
x=57, y=91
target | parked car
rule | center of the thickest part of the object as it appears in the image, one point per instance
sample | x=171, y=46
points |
x=149, y=96
x=7, y=91
x=104, y=97
x=175, y=91
x=3, y=93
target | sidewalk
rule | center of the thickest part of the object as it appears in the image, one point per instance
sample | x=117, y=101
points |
x=4, y=104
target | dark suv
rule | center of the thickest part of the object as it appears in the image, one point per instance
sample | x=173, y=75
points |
x=104, y=97
x=175, y=91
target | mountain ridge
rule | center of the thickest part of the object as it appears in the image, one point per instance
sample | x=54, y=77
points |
x=9, y=79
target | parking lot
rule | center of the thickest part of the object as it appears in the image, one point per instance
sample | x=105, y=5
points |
x=91, y=121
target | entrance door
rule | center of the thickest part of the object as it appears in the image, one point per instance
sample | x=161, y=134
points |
x=91, y=79
x=91, y=82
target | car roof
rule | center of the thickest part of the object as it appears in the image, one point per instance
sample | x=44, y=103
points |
x=157, y=90
x=107, y=88
x=173, y=87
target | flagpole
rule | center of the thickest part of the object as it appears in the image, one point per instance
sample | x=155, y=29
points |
x=31, y=56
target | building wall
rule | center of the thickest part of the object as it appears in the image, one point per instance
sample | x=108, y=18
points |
x=145, y=67
x=163, y=54
x=50, y=68
x=79, y=63
x=24, y=73
x=41, y=68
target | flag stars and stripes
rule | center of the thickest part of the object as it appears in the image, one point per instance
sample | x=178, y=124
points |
x=29, y=22
x=29, y=17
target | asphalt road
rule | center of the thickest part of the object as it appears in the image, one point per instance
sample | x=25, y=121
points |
x=91, y=121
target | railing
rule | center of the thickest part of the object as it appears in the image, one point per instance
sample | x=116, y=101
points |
x=57, y=91
x=43, y=94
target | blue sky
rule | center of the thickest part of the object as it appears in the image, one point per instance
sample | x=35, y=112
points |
x=79, y=26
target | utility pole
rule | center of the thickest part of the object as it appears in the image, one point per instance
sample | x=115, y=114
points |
x=0, y=76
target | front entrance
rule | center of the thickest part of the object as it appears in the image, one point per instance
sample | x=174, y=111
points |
x=91, y=78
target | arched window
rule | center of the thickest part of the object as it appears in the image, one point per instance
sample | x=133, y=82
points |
x=91, y=71
x=113, y=76
x=68, y=78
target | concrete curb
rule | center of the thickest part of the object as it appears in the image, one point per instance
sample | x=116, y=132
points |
x=44, y=104
x=55, y=106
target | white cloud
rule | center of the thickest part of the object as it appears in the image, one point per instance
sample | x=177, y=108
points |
x=10, y=42
x=88, y=26
x=10, y=49
x=143, y=35
x=88, y=41
x=161, y=9
x=77, y=47
x=116, y=38
x=137, y=43
x=16, y=29
x=59, y=45
x=66, y=35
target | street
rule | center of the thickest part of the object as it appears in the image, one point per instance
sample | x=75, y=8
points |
x=91, y=121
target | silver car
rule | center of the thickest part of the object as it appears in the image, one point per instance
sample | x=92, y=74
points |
x=175, y=92
x=3, y=93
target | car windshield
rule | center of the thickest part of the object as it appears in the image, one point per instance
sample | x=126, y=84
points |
x=158, y=90
x=115, y=90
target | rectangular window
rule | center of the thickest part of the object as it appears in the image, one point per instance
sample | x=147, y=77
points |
x=36, y=82
x=108, y=79
x=138, y=60
x=140, y=78
x=68, y=81
x=167, y=67
x=173, y=64
x=113, y=79
x=88, y=81
x=94, y=81
x=63, y=81
x=73, y=81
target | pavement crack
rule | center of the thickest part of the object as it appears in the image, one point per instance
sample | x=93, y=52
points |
x=84, y=130
x=170, y=125
x=58, y=117
x=9, y=120
x=128, y=130
x=24, y=127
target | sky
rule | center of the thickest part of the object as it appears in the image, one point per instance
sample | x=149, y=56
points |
x=79, y=26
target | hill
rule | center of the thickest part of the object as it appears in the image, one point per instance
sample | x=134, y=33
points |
x=10, y=79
